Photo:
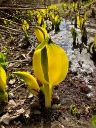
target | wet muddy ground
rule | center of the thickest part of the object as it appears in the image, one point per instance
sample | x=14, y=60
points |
x=74, y=101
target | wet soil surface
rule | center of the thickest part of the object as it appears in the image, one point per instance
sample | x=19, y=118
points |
x=74, y=101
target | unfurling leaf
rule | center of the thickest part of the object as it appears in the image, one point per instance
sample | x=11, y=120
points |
x=30, y=81
x=2, y=59
x=94, y=121
x=3, y=96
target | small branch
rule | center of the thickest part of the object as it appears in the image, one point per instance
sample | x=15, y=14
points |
x=22, y=8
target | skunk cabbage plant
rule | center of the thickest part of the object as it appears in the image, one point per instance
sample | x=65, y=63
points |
x=50, y=64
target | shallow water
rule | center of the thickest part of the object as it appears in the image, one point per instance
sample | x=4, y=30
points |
x=81, y=64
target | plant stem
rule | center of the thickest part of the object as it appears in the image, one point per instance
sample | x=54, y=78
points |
x=48, y=95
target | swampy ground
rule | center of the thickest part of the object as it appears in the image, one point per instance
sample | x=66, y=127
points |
x=74, y=100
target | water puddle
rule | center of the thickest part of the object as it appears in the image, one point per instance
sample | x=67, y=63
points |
x=81, y=64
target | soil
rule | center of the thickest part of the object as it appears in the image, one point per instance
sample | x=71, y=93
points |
x=72, y=107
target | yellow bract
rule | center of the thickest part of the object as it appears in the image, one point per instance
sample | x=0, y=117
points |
x=30, y=81
x=39, y=20
x=54, y=67
x=25, y=25
x=31, y=13
x=43, y=11
x=56, y=18
x=41, y=33
x=5, y=21
x=80, y=22
x=51, y=16
x=2, y=79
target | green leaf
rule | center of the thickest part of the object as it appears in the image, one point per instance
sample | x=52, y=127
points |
x=93, y=121
x=74, y=33
x=2, y=59
x=43, y=44
x=3, y=96
x=44, y=63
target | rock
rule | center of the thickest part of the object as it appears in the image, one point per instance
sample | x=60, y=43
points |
x=11, y=95
x=27, y=113
x=55, y=99
x=5, y=119
x=56, y=106
x=11, y=104
x=21, y=102
x=20, y=111
x=12, y=81
x=30, y=95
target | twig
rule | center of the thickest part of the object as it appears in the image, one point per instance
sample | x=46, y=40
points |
x=13, y=61
x=17, y=88
x=22, y=8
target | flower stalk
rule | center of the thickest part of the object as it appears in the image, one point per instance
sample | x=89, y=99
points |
x=48, y=95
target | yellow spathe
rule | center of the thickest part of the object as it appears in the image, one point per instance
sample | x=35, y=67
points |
x=57, y=66
x=40, y=33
